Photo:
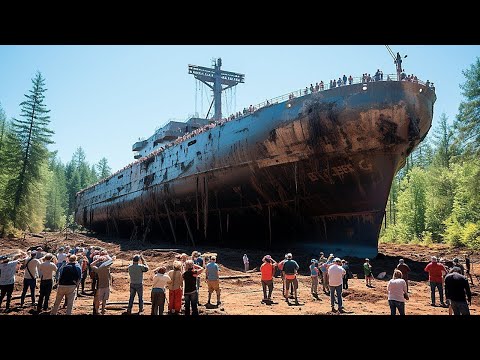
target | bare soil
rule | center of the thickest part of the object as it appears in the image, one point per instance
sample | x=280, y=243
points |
x=243, y=296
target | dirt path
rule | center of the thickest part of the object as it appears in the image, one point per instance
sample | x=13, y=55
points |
x=243, y=295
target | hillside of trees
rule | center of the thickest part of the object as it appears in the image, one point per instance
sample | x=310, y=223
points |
x=37, y=191
x=436, y=196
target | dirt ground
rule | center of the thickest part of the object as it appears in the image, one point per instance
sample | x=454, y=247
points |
x=243, y=295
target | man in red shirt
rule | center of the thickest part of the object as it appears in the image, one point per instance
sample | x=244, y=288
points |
x=436, y=272
x=267, y=269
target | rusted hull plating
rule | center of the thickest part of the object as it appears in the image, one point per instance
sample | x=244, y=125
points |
x=312, y=171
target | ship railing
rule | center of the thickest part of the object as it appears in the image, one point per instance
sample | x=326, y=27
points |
x=326, y=86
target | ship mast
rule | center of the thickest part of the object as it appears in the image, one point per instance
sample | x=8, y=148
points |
x=217, y=77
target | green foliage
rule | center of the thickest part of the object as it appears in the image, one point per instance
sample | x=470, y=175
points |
x=453, y=232
x=443, y=139
x=31, y=135
x=57, y=200
x=468, y=118
x=471, y=235
x=103, y=169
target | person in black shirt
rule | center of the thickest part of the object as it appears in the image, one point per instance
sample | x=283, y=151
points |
x=460, y=266
x=190, y=286
x=456, y=287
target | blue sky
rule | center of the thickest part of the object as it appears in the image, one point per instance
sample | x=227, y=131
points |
x=103, y=97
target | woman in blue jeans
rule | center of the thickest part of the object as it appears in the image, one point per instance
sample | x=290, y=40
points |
x=397, y=293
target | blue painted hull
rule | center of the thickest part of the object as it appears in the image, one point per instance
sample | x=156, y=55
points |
x=312, y=171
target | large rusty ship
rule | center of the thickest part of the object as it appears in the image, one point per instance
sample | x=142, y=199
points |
x=311, y=168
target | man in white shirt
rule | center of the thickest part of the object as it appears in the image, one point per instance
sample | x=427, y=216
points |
x=8, y=268
x=245, y=262
x=46, y=270
x=30, y=277
x=335, y=281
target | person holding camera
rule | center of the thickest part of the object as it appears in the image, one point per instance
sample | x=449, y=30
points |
x=136, y=270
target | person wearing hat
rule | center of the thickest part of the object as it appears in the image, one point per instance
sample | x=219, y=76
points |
x=290, y=268
x=435, y=276
x=70, y=275
x=135, y=271
x=314, y=275
x=8, y=268
x=367, y=269
x=267, y=269
x=213, y=280
x=335, y=282
x=405, y=269
x=46, y=271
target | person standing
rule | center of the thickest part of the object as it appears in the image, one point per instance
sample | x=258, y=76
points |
x=213, y=280
x=335, y=281
x=8, y=268
x=314, y=276
x=467, y=265
x=101, y=267
x=175, y=288
x=405, y=269
x=267, y=269
x=69, y=277
x=197, y=260
x=160, y=280
x=30, y=277
x=456, y=263
x=46, y=270
x=190, y=287
x=456, y=287
x=245, y=262
x=367, y=269
x=290, y=267
x=347, y=274
x=435, y=276
x=397, y=293
x=136, y=270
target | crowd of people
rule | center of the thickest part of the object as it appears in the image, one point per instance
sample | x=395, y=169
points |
x=68, y=269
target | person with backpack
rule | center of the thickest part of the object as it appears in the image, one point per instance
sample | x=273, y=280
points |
x=69, y=277
x=30, y=277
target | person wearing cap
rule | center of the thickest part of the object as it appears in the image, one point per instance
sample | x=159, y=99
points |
x=314, y=276
x=8, y=268
x=46, y=271
x=457, y=290
x=68, y=279
x=405, y=269
x=213, y=280
x=30, y=277
x=435, y=276
x=290, y=268
x=267, y=270
x=62, y=258
x=246, y=264
x=367, y=269
x=335, y=281
x=135, y=271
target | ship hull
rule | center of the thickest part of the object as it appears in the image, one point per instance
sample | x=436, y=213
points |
x=312, y=171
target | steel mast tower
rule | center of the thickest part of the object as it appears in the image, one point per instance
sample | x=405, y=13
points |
x=218, y=77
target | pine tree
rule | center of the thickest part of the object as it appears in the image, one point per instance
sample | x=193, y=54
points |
x=468, y=118
x=103, y=169
x=443, y=139
x=33, y=135
x=57, y=200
